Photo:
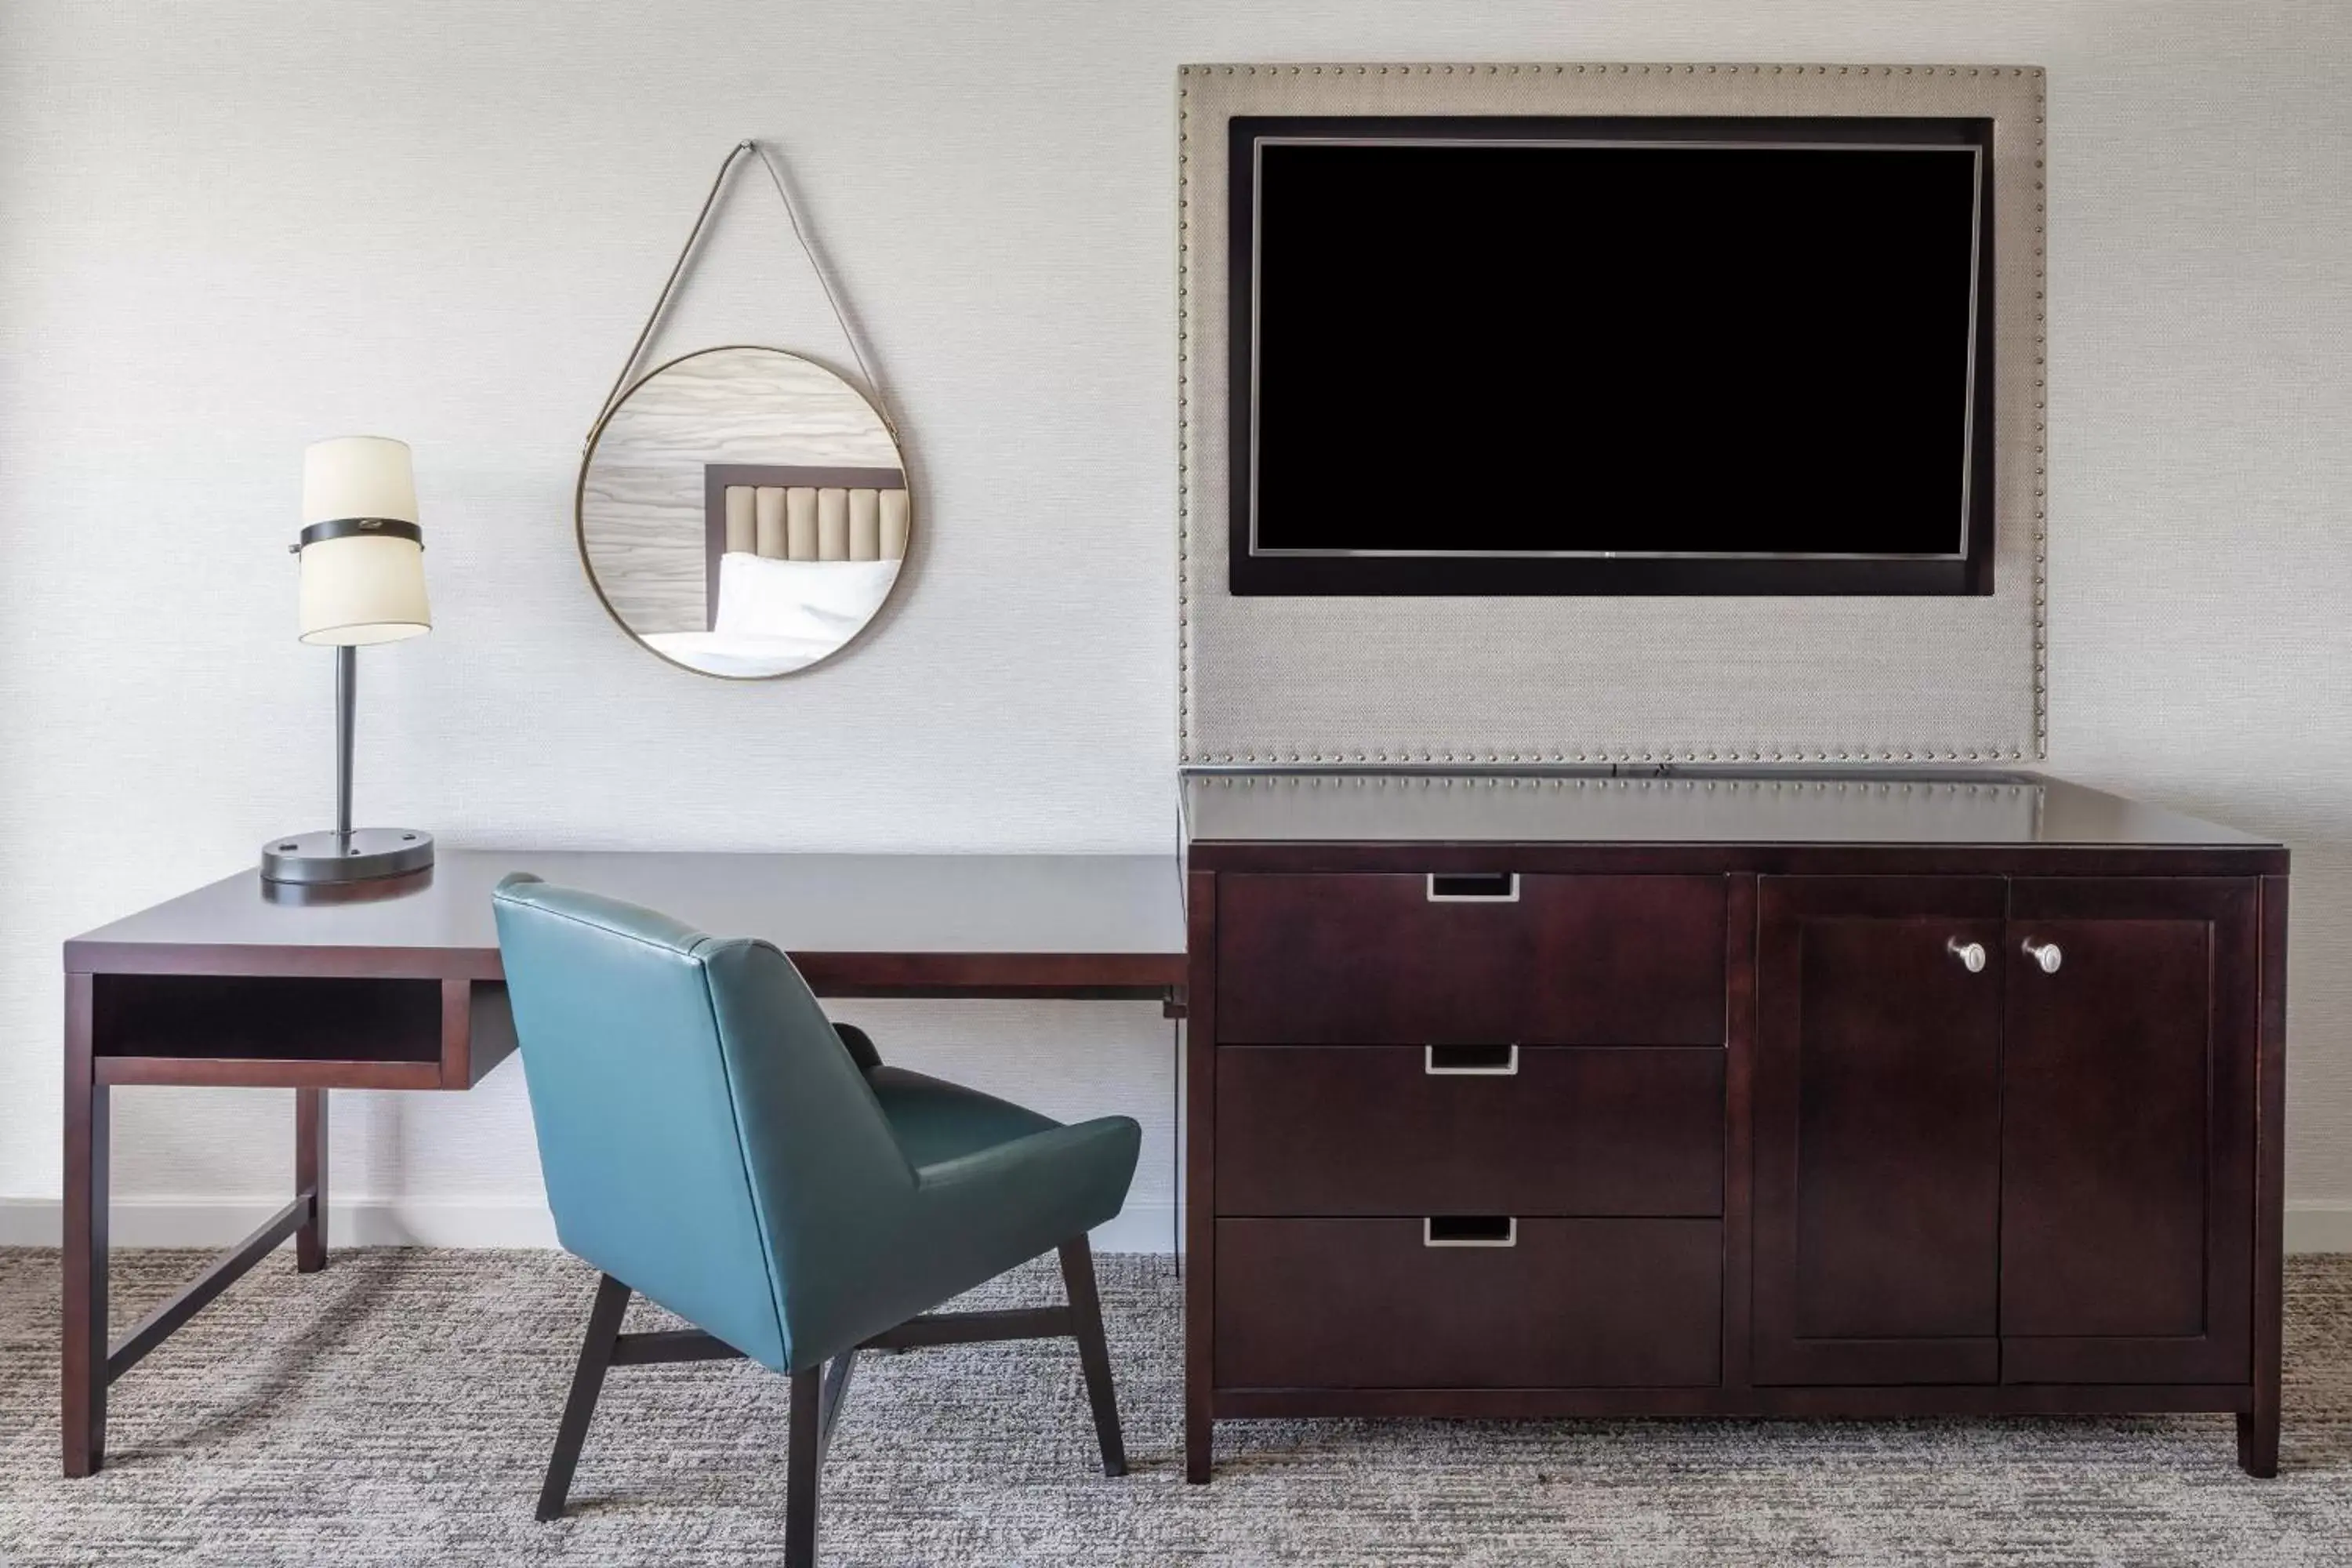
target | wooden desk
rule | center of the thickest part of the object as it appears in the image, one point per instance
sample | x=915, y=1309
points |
x=397, y=985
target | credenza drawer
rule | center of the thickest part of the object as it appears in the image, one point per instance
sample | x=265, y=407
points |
x=1380, y=958
x=1532, y=1130
x=1369, y=1303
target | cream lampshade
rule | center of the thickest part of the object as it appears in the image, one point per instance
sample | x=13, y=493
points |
x=363, y=581
x=362, y=552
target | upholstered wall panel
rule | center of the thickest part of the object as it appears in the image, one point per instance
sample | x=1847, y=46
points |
x=1588, y=679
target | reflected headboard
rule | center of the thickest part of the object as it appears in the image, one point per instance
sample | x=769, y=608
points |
x=799, y=513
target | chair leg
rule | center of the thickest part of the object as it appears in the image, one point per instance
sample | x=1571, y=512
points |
x=1094, y=1355
x=803, y=1455
x=587, y=1383
x=835, y=1394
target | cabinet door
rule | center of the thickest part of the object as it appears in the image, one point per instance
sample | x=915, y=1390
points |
x=1877, y=1130
x=2127, y=1132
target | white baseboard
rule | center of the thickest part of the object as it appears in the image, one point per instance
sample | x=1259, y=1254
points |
x=360, y=1222
x=2312, y=1226
x=410, y=1222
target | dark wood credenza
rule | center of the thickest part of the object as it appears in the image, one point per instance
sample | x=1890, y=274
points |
x=1701, y=1094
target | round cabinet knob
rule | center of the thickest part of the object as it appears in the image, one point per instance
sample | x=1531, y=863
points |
x=2044, y=954
x=1972, y=954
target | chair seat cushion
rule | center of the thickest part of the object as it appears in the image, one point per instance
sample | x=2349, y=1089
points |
x=935, y=1121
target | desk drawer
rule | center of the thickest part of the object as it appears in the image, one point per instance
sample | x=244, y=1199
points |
x=1367, y=1303
x=1389, y=1130
x=1363, y=958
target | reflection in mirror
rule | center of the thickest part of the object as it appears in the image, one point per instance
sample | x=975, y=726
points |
x=743, y=512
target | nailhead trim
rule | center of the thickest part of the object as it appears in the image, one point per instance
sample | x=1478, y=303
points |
x=2041, y=540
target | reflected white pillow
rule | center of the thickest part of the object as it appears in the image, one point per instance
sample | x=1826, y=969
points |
x=825, y=601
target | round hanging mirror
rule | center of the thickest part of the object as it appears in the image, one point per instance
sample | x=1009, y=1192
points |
x=743, y=512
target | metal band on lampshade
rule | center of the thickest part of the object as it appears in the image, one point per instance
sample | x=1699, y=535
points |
x=342, y=527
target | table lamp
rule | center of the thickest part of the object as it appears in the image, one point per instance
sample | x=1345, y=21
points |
x=362, y=569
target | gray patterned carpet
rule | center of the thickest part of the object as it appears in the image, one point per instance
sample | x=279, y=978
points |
x=396, y=1409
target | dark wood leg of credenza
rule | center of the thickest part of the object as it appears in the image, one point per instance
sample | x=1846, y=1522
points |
x=83, y=1349
x=2258, y=1440
x=1199, y=1197
x=310, y=1177
x=2258, y=1430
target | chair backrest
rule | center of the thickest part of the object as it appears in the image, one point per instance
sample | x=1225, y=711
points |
x=705, y=1136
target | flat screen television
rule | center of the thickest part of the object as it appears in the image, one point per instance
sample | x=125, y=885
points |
x=1611, y=356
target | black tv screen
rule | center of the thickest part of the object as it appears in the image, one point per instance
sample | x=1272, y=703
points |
x=1619, y=356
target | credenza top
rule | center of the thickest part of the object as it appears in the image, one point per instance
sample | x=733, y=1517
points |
x=1683, y=808
x=1119, y=916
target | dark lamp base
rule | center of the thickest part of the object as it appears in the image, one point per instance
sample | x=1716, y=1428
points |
x=362, y=855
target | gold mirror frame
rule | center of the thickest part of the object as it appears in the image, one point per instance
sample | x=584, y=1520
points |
x=842, y=459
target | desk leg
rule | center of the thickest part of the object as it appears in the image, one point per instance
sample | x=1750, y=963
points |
x=311, y=1178
x=83, y=1351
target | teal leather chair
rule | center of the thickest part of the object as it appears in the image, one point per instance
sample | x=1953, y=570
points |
x=712, y=1142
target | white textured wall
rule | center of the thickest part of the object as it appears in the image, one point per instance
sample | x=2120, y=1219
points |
x=228, y=228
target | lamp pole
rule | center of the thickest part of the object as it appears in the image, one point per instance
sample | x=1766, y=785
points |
x=347, y=685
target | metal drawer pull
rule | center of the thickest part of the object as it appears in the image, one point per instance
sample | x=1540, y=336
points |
x=1972, y=954
x=2044, y=954
x=1470, y=1061
x=1473, y=887
x=1470, y=1230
